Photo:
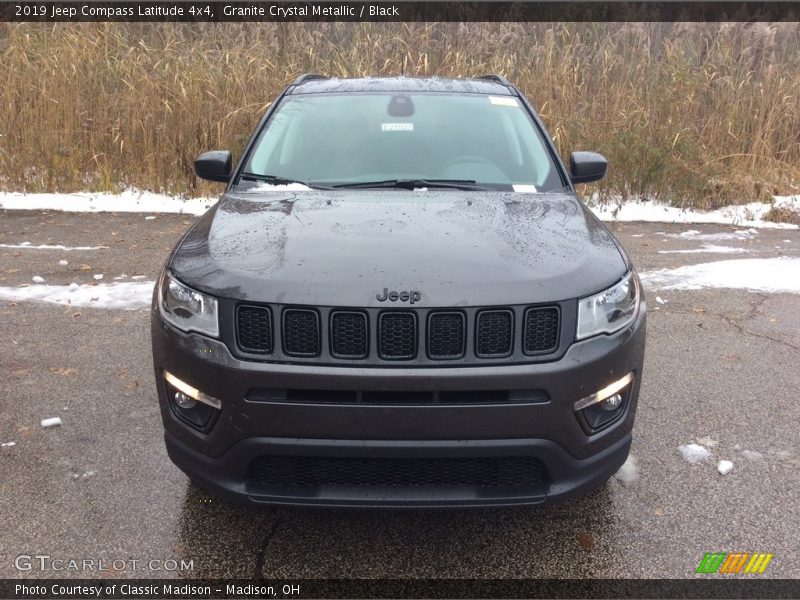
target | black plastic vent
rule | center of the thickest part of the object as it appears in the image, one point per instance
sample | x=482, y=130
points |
x=310, y=471
x=494, y=335
x=541, y=330
x=254, y=329
x=349, y=334
x=446, y=335
x=301, y=335
x=397, y=332
x=384, y=397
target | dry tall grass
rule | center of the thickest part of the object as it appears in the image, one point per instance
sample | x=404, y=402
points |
x=705, y=114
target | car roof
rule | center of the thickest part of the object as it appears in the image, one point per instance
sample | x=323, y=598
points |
x=320, y=85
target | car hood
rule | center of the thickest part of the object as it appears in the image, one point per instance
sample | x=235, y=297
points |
x=342, y=248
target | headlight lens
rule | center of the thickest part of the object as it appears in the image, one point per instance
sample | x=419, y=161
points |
x=610, y=310
x=187, y=309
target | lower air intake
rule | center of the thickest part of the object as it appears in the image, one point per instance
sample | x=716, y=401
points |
x=485, y=472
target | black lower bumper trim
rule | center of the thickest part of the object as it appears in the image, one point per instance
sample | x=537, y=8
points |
x=561, y=475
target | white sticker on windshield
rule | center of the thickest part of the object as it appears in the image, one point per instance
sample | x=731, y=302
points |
x=503, y=101
x=397, y=127
x=524, y=188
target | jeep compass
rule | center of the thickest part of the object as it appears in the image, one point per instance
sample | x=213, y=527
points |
x=399, y=300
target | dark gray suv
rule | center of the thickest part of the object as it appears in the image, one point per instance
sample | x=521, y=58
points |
x=399, y=301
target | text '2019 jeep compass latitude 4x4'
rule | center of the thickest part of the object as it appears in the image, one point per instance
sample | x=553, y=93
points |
x=399, y=300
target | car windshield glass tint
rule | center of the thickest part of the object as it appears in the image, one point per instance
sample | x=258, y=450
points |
x=343, y=139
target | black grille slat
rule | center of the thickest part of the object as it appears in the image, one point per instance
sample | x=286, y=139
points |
x=254, y=329
x=397, y=333
x=541, y=330
x=301, y=332
x=446, y=335
x=494, y=335
x=310, y=471
x=349, y=334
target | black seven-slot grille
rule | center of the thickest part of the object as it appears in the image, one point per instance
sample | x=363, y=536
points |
x=310, y=471
x=417, y=335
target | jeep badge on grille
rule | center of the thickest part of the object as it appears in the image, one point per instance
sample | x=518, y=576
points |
x=411, y=296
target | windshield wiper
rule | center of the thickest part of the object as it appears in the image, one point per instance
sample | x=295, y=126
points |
x=278, y=180
x=411, y=184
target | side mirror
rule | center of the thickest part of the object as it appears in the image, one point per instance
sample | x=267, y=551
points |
x=586, y=167
x=214, y=166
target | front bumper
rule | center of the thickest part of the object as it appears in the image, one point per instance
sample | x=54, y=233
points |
x=550, y=431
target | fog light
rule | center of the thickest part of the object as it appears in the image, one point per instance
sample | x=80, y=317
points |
x=611, y=403
x=184, y=401
x=606, y=393
x=606, y=406
x=192, y=392
x=190, y=405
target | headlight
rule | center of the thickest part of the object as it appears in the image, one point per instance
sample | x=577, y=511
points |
x=610, y=310
x=187, y=309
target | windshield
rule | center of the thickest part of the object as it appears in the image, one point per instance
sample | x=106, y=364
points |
x=349, y=139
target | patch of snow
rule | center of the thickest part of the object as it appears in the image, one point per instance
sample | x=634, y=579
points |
x=8, y=444
x=780, y=453
x=131, y=200
x=88, y=474
x=660, y=300
x=638, y=235
x=724, y=467
x=150, y=218
x=63, y=263
x=695, y=235
x=754, y=274
x=38, y=279
x=27, y=246
x=741, y=215
x=124, y=295
x=629, y=471
x=51, y=422
x=708, y=249
x=694, y=453
x=138, y=277
x=97, y=276
x=752, y=455
x=123, y=276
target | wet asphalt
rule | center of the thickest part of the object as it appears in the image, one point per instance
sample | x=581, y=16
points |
x=721, y=368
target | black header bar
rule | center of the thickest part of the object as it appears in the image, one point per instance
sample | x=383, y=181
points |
x=400, y=11
x=707, y=587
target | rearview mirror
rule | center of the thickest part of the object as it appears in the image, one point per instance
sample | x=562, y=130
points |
x=214, y=166
x=586, y=167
